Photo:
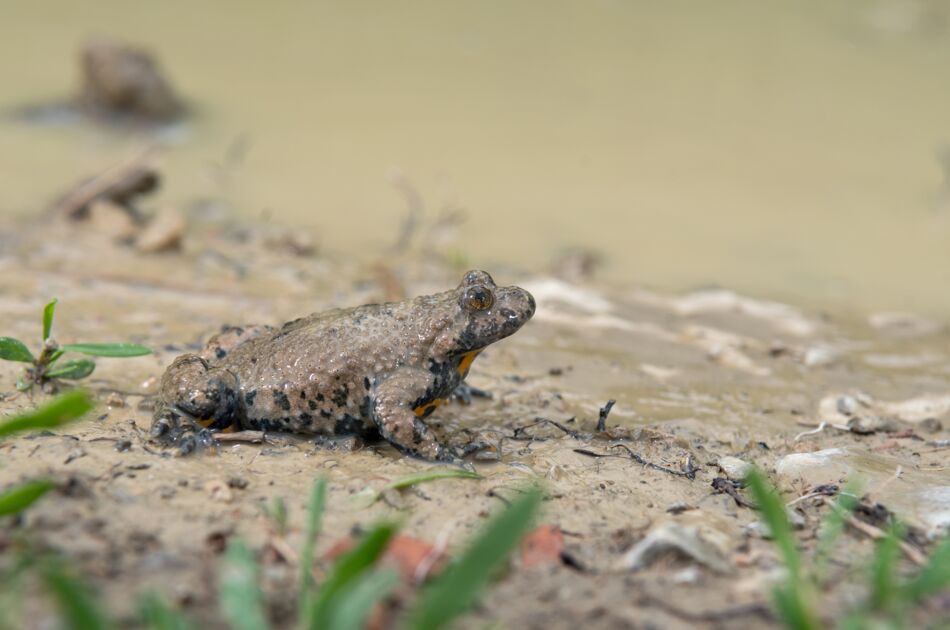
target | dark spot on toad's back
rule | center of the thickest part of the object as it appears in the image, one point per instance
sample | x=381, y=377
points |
x=312, y=404
x=249, y=397
x=341, y=395
x=281, y=400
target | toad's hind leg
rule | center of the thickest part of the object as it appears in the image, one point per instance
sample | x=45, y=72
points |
x=400, y=422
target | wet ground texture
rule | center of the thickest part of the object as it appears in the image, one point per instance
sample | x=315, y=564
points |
x=656, y=532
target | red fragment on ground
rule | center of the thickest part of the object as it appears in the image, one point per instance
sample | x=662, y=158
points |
x=542, y=547
x=414, y=559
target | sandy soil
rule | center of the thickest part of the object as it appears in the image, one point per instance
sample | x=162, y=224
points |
x=696, y=378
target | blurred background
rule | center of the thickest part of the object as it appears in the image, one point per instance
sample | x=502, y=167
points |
x=793, y=150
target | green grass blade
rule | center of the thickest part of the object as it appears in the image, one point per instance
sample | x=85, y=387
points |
x=432, y=475
x=791, y=608
x=14, y=350
x=346, y=571
x=72, y=370
x=773, y=513
x=368, y=495
x=59, y=411
x=48, y=312
x=242, y=601
x=156, y=614
x=354, y=604
x=833, y=525
x=23, y=496
x=456, y=589
x=934, y=577
x=78, y=608
x=884, y=570
x=108, y=349
x=794, y=598
x=318, y=497
x=12, y=577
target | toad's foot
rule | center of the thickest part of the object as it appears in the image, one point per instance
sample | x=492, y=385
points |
x=464, y=393
x=174, y=429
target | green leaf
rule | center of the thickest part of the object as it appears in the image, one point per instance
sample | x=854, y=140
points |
x=934, y=577
x=48, y=311
x=367, y=496
x=346, y=571
x=158, y=615
x=72, y=370
x=773, y=513
x=241, y=599
x=833, y=524
x=59, y=411
x=13, y=350
x=23, y=496
x=884, y=570
x=792, y=608
x=432, y=475
x=78, y=607
x=108, y=349
x=793, y=599
x=12, y=583
x=314, y=521
x=453, y=592
x=54, y=357
x=355, y=603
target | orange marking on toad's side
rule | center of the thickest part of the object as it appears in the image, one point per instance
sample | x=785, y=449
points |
x=424, y=410
x=466, y=362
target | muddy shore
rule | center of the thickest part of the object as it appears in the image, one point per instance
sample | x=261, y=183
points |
x=699, y=379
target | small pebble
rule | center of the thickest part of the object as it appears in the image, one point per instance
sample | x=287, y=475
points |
x=219, y=491
x=847, y=405
x=237, y=482
x=734, y=468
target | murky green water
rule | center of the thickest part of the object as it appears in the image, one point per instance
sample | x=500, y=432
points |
x=785, y=149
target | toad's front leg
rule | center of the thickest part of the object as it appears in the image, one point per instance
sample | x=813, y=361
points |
x=402, y=400
x=196, y=400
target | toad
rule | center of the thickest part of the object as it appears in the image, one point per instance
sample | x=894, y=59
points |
x=378, y=369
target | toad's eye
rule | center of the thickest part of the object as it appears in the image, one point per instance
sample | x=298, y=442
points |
x=477, y=299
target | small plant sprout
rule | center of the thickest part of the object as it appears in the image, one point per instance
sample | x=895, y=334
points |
x=46, y=368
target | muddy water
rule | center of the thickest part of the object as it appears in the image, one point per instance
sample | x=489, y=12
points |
x=787, y=151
